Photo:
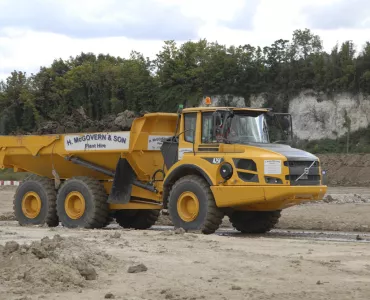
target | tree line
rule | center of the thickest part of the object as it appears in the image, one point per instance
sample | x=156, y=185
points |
x=103, y=84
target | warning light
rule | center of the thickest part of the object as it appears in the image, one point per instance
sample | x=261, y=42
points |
x=208, y=101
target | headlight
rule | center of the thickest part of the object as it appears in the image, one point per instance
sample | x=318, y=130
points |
x=273, y=180
x=226, y=171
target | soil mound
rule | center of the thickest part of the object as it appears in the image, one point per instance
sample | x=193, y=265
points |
x=51, y=265
x=346, y=169
x=78, y=121
x=8, y=216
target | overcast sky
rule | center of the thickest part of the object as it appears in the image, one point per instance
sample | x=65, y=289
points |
x=35, y=32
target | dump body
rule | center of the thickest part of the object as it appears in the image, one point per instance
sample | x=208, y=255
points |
x=140, y=146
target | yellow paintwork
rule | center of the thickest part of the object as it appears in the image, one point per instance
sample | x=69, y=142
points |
x=265, y=197
x=188, y=206
x=137, y=193
x=211, y=108
x=134, y=205
x=31, y=205
x=41, y=154
x=75, y=205
x=235, y=192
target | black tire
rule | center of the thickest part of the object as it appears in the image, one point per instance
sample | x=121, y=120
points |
x=96, y=213
x=45, y=189
x=254, y=222
x=209, y=217
x=137, y=218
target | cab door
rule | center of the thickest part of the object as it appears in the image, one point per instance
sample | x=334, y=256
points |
x=188, y=134
x=208, y=141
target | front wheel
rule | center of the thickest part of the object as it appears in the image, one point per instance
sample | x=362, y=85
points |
x=191, y=205
x=254, y=222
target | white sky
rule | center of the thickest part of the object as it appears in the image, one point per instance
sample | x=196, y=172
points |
x=35, y=32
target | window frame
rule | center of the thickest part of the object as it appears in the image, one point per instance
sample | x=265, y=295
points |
x=190, y=114
x=206, y=113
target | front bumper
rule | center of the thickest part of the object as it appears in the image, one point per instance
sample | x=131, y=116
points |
x=273, y=196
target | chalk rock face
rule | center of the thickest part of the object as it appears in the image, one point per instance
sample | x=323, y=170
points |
x=317, y=116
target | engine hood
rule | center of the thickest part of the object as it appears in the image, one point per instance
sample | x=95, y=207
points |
x=289, y=152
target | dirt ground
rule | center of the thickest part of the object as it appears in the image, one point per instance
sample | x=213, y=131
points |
x=346, y=169
x=115, y=263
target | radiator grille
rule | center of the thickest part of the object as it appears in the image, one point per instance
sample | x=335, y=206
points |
x=297, y=168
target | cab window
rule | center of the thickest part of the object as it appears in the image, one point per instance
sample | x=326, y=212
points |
x=190, y=124
x=207, y=128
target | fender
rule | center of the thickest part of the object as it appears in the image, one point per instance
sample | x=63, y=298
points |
x=178, y=170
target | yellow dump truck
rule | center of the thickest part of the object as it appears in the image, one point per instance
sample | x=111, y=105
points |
x=200, y=164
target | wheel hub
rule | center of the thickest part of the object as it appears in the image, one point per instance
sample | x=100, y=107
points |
x=74, y=205
x=188, y=206
x=31, y=205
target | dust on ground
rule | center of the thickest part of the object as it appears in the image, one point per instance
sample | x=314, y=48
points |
x=155, y=264
x=342, y=209
x=6, y=202
x=51, y=265
x=38, y=262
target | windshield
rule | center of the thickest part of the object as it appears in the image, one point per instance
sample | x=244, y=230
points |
x=235, y=128
x=247, y=129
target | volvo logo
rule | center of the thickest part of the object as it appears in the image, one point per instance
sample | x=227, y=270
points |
x=306, y=171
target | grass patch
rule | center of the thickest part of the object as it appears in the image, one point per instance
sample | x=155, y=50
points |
x=359, y=142
x=9, y=174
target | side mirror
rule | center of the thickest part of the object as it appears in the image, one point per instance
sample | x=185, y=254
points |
x=285, y=123
x=281, y=127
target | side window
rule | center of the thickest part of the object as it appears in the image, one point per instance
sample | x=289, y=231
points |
x=190, y=124
x=207, y=128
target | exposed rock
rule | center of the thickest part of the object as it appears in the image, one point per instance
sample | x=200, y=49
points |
x=137, y=269
x=124, y=120
x=180, y=231
x=115, y=235
x=78, y=121
x=86, y=271
x=109, y=296
x=11, y=247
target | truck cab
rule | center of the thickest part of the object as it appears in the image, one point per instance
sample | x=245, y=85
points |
x=248, y=177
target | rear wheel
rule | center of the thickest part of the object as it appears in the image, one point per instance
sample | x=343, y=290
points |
x=137, y=218
x=191, y=205
x=255, y=221
x=35, y=202
x=82, y=202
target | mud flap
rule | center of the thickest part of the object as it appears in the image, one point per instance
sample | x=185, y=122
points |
x=122, y=183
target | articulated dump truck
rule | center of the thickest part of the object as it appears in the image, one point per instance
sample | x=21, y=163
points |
x=200, y=164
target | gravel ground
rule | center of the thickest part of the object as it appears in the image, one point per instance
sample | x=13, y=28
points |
x=114, y=263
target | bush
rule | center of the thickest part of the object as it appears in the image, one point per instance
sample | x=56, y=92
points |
x=359, y=142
